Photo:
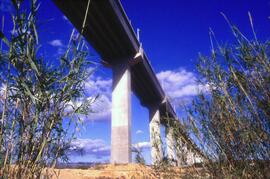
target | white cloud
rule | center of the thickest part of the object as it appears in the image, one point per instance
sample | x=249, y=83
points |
x=56, y=43
x=180, y=85
x=60, y=47
x=97, y=84
x=142, y=145
x=101, y=108
x=61, y=51
x=98, y=95
x=95, y=147
x=139, y=132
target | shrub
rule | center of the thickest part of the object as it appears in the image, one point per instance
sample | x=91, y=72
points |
x=233, y=117
x=38, y=98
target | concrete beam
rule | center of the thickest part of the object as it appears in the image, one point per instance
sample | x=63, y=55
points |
x=121, y=115
x=155, y=137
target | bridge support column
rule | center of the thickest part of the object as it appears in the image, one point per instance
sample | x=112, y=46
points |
x=179, y=156
x=170, y=145
x=121, y=115
x=190, y=157
x=155, y=137
x=181, y=153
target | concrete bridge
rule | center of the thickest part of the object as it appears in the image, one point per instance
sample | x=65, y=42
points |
x=110, y=33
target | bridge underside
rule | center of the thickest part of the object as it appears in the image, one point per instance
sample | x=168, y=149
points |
x=110, y=33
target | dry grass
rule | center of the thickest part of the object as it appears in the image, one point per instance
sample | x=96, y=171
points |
x=127, y=171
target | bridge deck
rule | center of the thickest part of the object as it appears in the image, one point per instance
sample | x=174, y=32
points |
x=109, y=31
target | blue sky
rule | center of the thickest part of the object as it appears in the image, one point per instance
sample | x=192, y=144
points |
x=173, y=32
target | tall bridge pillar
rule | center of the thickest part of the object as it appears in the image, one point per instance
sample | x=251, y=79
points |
x=181, y=153
x=155, y=137
x=170, y=144
x=121, y=115
x=190, y=157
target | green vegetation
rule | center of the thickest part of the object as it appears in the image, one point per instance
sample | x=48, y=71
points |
x=231, y=120
x=138, y=155
x=38, y=98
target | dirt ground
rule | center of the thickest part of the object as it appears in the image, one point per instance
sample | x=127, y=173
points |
x=129, y=171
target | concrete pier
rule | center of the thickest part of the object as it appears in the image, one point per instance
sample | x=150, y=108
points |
x=190, y=157
x=155, y=137
x=121, y=115
x=181, y=153
x=178, y=152
x=170, y=144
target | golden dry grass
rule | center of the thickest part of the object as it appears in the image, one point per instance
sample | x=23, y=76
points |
x=128, y=171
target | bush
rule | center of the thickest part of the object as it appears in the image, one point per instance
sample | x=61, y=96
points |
x=37, y=98
x=233, y=117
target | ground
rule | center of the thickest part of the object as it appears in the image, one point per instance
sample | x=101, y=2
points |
x=129, y=171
